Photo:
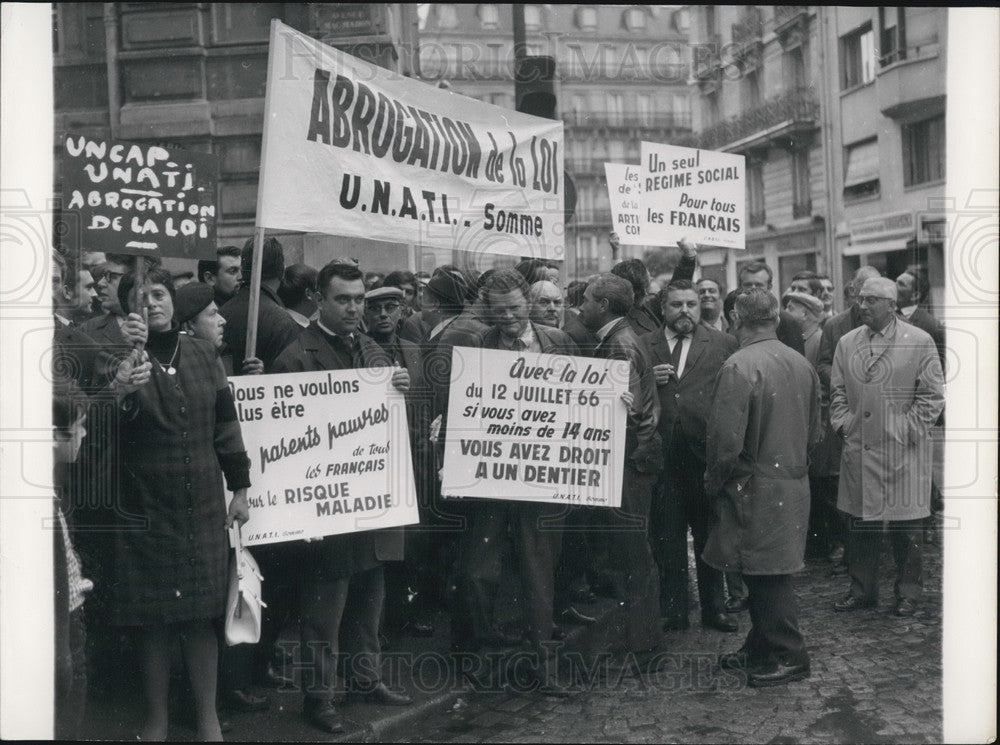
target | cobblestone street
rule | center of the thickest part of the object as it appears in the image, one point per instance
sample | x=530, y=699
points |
x=875, y=678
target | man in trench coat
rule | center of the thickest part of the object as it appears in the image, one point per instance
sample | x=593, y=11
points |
x=764, y=418
x=886, y=392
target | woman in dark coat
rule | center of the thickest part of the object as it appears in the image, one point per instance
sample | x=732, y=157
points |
x=178, y=426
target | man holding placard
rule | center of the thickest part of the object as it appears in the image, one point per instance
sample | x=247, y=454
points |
x=348, y=564
x=607, y=300
x=537, y=525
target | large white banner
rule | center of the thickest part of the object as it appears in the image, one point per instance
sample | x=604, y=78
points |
x=535, y=427
x=354, y=149
x=694, y=194
x=329, y=453
x=624, y=194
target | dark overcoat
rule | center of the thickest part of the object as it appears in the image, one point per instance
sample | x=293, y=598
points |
x=338, y=555
x=177, y=430
x=764, y=417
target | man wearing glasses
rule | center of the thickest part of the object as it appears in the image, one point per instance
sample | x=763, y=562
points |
x=886, y=392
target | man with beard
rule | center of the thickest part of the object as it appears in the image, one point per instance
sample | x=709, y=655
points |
x=764, y=417
x=686, y=356
x=710, y=300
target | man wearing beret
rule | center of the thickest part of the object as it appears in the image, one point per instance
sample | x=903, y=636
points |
x=886, y=393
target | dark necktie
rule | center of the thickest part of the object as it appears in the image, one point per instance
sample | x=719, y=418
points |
x=518, y=345
x=675, y=354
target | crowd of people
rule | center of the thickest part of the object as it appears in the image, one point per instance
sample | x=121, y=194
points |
x=771, y=429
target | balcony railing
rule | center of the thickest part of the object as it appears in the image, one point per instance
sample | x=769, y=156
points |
x=750, y=27
x=649, y=120
x=785, y=14
x=798, y=106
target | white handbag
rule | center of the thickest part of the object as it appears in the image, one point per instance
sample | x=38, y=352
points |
x=243, y=601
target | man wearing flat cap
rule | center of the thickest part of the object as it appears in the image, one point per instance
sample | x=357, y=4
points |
x=808, y=311
x=886, y=393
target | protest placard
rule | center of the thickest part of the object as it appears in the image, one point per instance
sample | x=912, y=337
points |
x=329, y=453
x=133, y=198
x=695, y=194
x=624, y=192
x=535, y=427
x=353, y=149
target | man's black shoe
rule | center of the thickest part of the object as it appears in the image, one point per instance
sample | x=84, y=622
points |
x=851, y=602
x=719, y=622
x=904, y=607
x=381, y=694
x=676, y=623
x=777, y=674
x=573, y=616
x=736, y=605
x=584, y=597
x=245, y=701
x=323, y=716
x=738, y=660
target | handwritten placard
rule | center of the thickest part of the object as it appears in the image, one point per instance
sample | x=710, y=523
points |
x=624, y=194
x=329, y=453
x=697, y=194
x=535, y=427
x=140, y=199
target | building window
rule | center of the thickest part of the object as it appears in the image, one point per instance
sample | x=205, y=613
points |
x=78, y=30
x=892, y=35
x=751, y=90
x=243, y=22
x=447, y=15
x=682, y=111
x=644, y=108
x=801, y=192
x=861, y=177
x=711, y=26
x=789, y=266
x=616, y=152
x=615, y=108
x=755, y=194
x=635, y=19
x=586, y=18
x=795, y=69
x=712, y=108
x=857, y=58
x=532, y=18
x=489, y=16
x=923, y=151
